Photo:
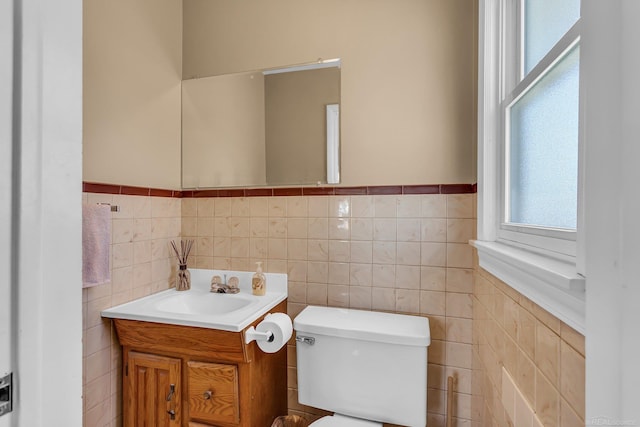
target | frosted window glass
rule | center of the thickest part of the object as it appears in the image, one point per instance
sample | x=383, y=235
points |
x=543, y=150
x=545, y=22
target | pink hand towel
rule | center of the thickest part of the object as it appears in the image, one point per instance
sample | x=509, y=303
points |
x=96, y=242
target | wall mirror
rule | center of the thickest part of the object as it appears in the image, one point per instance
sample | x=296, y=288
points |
x=272, y=127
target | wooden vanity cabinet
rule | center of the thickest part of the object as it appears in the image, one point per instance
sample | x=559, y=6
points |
x=152, y=387
x=213, y=392
x=181, y=376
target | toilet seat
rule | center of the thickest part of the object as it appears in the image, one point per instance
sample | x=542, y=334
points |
x=338, y=420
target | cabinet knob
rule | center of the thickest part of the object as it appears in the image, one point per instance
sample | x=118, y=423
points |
x=207, y=394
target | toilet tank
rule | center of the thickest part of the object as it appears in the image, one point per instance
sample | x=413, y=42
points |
x=363, y=364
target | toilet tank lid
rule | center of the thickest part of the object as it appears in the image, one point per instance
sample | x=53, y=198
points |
x=364, y=325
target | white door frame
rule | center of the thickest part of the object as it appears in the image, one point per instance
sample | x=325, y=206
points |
x=6, y=117
x=47, y=177
x=610, y=63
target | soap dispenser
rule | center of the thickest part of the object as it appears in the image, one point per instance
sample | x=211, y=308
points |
x=259, y=281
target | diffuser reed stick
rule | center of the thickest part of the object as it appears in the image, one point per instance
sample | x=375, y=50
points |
x=183, y=279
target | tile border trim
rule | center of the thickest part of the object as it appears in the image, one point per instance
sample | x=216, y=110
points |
x=94, y=187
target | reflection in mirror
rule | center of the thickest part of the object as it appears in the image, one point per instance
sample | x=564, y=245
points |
x=271, y=127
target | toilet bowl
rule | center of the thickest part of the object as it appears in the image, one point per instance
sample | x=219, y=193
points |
x=367, y=367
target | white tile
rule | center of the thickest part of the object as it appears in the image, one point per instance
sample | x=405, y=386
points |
x=297, y=207
x=258, y=248
x=259, y=206
x=204, y=207
x=383, y=299
x=361, y=206
x=142, y=251
x=339, y=206
x=318, y=207
x=384, y=275
x=339, y=250
x=258, y=227
x=384, y=252
x=318, y=228
x=360, y=274
x=240, y=206
x=339, y=228
x=434, y=206
x=338, y=296
x=317, y=250
x=408, y=229
x=122, y=230
x=384, y=206
x=360, y=297
x=408, y=277
x=338, y=273
x=189, y=208
x=409, y=206
x=433, y=230
x=408, y=301
x=239, y=227
x=297, y=249
x=297, y=228
x=239, y=247
x=141, y=229
x=433, y=254
x=126, y=206
x=361, y=229
x=221, y=227
x=277, y=207
x=318, y=271
x=384, y=229
x=408, y=253
x=362, y=252
x=433, y=278
x=222, y=207
x=278, y=228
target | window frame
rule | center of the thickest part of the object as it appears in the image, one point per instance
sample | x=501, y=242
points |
x=541, y=263
x=559, y=243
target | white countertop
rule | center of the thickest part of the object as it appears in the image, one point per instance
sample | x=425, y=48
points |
x=201, y=308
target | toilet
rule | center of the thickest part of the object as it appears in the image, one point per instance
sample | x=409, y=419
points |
x=369, y=368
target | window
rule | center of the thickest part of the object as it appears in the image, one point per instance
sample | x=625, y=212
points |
x=539, y=125
x=528, y=199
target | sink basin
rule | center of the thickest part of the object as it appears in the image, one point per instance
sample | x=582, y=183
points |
x=203, y=303
x=201, y=308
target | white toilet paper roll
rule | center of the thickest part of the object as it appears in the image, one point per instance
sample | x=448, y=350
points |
x=279, y=324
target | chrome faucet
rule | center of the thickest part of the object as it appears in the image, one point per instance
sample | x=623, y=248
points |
x=224, y=287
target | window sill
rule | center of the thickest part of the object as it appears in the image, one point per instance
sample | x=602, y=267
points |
x=552, y=284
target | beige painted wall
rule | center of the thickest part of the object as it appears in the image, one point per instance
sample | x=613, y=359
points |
x=296, y=124
x=132, y=74
x=408, y=72
x=224, y=131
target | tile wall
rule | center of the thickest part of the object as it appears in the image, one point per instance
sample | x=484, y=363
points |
x=543, y=356
x=397, y=253
x=140, y=264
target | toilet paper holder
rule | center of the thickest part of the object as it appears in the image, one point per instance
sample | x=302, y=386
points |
x=251, y=334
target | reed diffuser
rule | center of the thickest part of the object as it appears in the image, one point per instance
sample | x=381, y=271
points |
x=183, y=279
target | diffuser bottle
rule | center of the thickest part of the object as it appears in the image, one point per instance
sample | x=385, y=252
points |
x=259, y=281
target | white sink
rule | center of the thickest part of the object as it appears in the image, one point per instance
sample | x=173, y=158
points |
x=201, y=308
x=203, y=304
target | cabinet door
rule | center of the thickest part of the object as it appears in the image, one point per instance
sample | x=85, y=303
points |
x=151, y=391
x=213, y=393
